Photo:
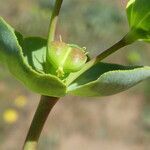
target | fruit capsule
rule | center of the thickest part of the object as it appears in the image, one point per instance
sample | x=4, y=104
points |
x=65, y=58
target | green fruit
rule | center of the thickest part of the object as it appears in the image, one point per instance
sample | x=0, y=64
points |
x=138, y=13
x=65, y=58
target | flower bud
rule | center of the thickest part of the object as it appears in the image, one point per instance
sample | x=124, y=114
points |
x=138, y=12
x=65, y=58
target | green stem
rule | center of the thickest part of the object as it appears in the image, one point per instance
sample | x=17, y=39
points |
x=97, y=59
x=40, y=117
x=52, y=30
x=53, y=21
x=46, y=103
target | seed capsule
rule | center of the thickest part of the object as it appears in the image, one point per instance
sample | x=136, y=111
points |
x=66, y=58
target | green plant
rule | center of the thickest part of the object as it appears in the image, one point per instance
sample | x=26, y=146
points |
x=54, y=69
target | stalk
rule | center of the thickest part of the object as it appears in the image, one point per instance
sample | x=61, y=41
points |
x=46, y=102
x=51, y=32
x=54, y=20
x=45, y=106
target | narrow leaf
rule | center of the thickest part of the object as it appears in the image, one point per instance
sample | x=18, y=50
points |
x=108, y=79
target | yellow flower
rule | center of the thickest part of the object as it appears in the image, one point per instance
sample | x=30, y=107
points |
x=20, y=101
x=10, y=116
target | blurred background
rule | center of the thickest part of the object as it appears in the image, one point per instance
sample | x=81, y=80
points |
x=119, y=122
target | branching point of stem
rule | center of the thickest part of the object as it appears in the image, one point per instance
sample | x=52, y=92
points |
x=97, y=59
x=46, y=103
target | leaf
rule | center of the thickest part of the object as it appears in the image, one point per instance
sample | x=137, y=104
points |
x=15, y=58
x=34, y=49
x=138, y=12
x=107, y=79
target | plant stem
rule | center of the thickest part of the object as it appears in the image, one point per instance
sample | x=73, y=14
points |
x=52, y=30
x=53, y=21
x=40, y=117
x=97, y=59
x=46, y=103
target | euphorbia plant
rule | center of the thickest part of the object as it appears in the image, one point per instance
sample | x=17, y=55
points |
x=55, y=69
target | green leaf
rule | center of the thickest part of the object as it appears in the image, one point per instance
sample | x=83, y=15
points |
x=18, y=63
x=34, y=49
x=107, y=79
x=138, y=13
